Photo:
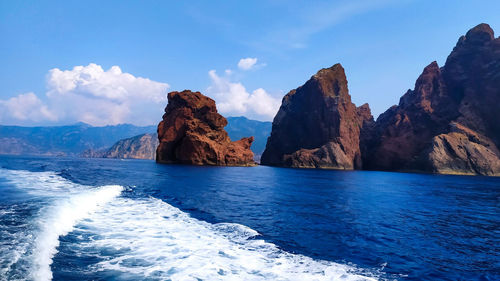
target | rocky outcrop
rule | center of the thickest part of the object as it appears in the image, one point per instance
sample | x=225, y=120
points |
x=449, y=122
x=317, y=125
x=404, y=131
x=463, y=151
x=192, y=132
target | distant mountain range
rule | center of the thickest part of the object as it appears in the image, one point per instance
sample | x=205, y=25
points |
x=64, y=140
x=240, y=127
x=137, y=147
x=118, y=141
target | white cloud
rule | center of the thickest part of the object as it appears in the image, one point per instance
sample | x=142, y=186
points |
x=247, y=63
x=91, y=95
x=233, y=99
x=113, y=84
x=24, y=107
x=101, y=97
x=105, y=97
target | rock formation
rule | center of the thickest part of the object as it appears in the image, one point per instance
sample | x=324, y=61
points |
x=317, y=125
x=192, y=132
x=450, y=122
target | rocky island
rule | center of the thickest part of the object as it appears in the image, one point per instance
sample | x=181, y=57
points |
x=317, y=125
x=449, y=123
x=192, y=132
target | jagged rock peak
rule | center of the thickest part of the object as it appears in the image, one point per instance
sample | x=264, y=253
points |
x=365, y=113
x=332, y=81
x=431, y=68
x=480, y=33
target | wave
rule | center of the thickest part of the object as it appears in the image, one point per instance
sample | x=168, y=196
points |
x=147, y=238
x=59, y=220
x=69, y=203
x=150, y=239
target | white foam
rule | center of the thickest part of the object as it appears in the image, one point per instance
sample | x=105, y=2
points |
x=151, y=239
x=67, y=203
x=14, y=243
x=59, y=219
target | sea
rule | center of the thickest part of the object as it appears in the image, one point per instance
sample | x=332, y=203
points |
x=109, y=219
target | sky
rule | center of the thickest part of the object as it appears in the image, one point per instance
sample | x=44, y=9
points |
x=113, y=62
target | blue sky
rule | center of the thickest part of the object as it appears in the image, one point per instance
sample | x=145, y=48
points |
x=161, y=46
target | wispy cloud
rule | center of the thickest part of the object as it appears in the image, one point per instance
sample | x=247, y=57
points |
x=314, y=17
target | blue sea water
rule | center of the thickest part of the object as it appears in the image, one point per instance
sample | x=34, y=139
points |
x=104, y=219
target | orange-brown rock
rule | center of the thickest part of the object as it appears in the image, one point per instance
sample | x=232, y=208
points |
x=192, y=132
x=317, y=125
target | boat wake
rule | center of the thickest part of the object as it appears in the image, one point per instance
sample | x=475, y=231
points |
x=66, y=204
x=146, y=238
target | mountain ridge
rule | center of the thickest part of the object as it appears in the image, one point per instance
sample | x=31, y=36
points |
x=69, y=140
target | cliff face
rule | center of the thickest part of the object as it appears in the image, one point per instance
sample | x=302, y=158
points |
x=192, y=132
x=317, y=125
x=404, y=131
x=449, y=122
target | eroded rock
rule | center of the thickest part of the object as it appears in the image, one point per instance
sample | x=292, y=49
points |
x=192, y=132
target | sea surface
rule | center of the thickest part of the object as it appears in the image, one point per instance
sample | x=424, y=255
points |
x=106, y=219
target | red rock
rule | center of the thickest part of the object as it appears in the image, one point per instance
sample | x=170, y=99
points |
x=317, y=125
x=450, y=122
x=192, y=132
x=402, y=132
